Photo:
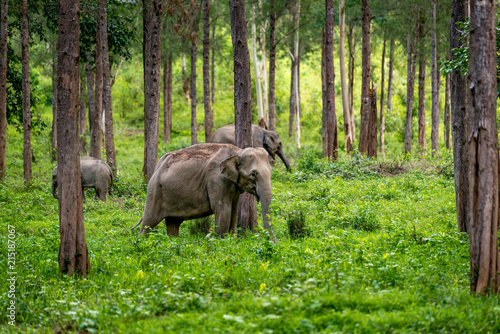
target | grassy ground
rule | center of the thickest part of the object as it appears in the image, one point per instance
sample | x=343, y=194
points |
x=379, y=253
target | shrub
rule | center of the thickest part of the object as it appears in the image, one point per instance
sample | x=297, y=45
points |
x=200, y=226
x=296, y=222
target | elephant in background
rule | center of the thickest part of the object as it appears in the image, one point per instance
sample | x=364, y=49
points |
x=269, y=140
x=95, y=173
x=206, y=179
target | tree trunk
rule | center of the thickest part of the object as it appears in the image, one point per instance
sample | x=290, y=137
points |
x=351, y=41
x=482, y=142
x=366, y=75
x=263, y=72
x=435, y=83
x=410, y=83
x=258, y=89
x=90, y=96
x=53, y=153
x=447, y=115
x=298, y=123
x=194, y=132
x=26, y=92
x=330, y=83
x=96, y=126
x=422, y=141
x=293, y=100
x=106, y=98
x=3, y=87
x=73, y=253
x=371, y=149
x=391, y=78
x=247, y=210
x=324, y=118
x=83, y=115
x=167, y=99
x=382, y=116
x=185, y=79
x=212, y=78
x=345, y=99
x=206, y=70
x=459, y=117
x=272, y=65
x=152, y=90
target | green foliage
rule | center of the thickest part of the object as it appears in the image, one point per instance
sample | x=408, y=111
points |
x=296, y=222
x=200, y=226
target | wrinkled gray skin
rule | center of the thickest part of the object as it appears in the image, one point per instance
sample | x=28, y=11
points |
x=206, y=179
x=95, y=173
x=269, y=140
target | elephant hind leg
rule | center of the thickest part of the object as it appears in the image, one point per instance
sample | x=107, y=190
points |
x=100, y=194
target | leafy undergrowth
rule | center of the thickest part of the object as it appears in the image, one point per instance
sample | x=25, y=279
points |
x=381, y=254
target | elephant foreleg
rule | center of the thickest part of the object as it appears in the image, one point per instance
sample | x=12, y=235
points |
x=234, y=215
x=173, y=226
x=223, y=216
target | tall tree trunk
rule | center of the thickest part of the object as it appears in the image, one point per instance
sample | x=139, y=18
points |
x=3, y=87
x=263, y=72
x=26, y=92
x=83, y=115
x=459, y=117
x=382, y=116
x=96, y=126
x=391, y=78
x=206, y=70
x=298, y=123
x=435, y=82
x=330, y=83
x=258, y=89
x=247, y=210
x=447, y=116
x=482, y=142
x=167, y=99
x=194, y=132
x=152, y=90
x=106, y=92
x=351, y=42
x=73, y=253
x=422, y=141
x=345, y=100
x=272, y=65
x=366, y=75
x=293, y=100
x=212, y=78
x=324, y=118
x=90, y=96
x=371, y=140
x=411, y=49
x=53, y=153
x=185, y=79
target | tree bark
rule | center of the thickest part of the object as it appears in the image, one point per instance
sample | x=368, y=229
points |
x=73, y=253
x=382, y=115
x=106, y=93
x=53, y=153
x=324, y=118
x=293, y=100
x=194, y=132
x=185, y=79
x=482, y=142
x=3, y=87
x=366, y=75
x=447, y=116
x=371, y=149
x=330, y=83
x=352, y=50
x=411, y=49
x=212, y=78
x=90, y=96
x=26, y=93
x=152, y=89
x=206, y=70
x=96, y=126
x=167, y=99
x=345, y=100
x=459, y=117
x=391, y=78
x=263, y=72
x=435, y=83
x=258, y=88
x=83, y=115
x=422, y=141
x=272, y=65
x=298, y=123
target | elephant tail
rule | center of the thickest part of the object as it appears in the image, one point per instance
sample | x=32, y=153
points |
x=133, y=228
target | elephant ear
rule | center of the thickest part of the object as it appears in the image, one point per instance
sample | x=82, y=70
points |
x=230, y=168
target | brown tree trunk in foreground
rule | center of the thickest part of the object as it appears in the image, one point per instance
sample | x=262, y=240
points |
x=447, y=116
x=382, y=116
x=73, y=253
x=272, y=65
x=26, y=92
x=3, y=87
x=459, y=117
x=366, y=75
x=167, y=99
x=194, y=132
x=206, y=70
x=330, y=83
x=482, y=142
x=422, y=141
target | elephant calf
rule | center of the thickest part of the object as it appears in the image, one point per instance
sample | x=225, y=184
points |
x=206, y=179
x=95, y=173
x=269, y=140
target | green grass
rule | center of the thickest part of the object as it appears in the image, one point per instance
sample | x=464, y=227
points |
x=382, y=255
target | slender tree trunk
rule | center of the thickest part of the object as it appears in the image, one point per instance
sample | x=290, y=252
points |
x=194, y=132
x=53, y=153
x=106, y=98
x=167, y=99
x=422, y=141
x=263, y=72
x=152, y=90
x=298, y=123
x=330, y=83
x=382, y=116
x=459, y=118
x=366, y=75
x=371, y=149
x=293, y=100
x=447, y=116
x=345, y=99
x=96, y=126
x=3, y=87
x=391, y=78
x=410, y=83
x=272, y=65
x=26, y=92
x=350, y=91
x=258, y=89
x=73, y=253
x=435, y=83
x=324, y=118
x=206, y=70
x=90, y=96
x=212, y=78
x=482, y=142
x=83, y=115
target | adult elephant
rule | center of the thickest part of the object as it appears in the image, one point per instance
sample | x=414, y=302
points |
x=206, y=179
x=269, y=140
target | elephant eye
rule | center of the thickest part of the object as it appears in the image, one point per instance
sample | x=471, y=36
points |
x=254, y=174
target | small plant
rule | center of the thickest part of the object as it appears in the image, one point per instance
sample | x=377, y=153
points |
x=200, y=226
x=296, y=222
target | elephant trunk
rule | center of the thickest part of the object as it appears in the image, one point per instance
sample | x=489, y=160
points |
x=283, y=158
x=265, y=200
